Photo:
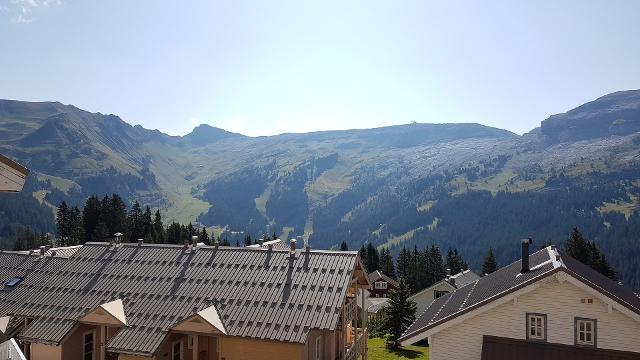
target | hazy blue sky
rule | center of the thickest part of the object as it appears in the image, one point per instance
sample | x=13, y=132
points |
x=267, y=67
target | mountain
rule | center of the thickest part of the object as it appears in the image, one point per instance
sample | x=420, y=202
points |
x=613, y=114
x=456, y=185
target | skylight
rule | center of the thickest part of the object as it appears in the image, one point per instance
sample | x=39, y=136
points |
x=13, y=282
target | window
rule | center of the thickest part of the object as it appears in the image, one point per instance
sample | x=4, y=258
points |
x=536, y=327
x=176, y=351
x=318, y=349
x=13, y=281
x=438, y=293
x=381, y=285
x=586, y=332
x=87, y=345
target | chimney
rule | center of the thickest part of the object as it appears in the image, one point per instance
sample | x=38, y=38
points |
x=525, y=254
x=261, y=242
x=194, y=242
x=293, y=245
x=448, y=273
x=140, y=242
x=42, y=251
x=270, y=246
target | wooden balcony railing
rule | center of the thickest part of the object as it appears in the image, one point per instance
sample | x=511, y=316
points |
x=359, y=346
x=350, y=310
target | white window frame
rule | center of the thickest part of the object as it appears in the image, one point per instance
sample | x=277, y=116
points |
x=93, y=342
x=173, y=345
x=380, y=285
x=319, y=347
x=593, y=332
x=538, y=323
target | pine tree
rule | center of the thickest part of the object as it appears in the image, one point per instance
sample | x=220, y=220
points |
x=90, y=217
x=455, y=262
x=489, y=265
x=101, y=232
x=147, y=225
x=403, y=263
x=437, y=264
x=363, y=256
x=577, y=247
x=400, y=313
x=372, y=258
x=76, y=235
x=158, y=229
x=62, y=222
x=135, y=222
x=386, y=263
x=344, y=246
x=203, y=237
x=117, y=216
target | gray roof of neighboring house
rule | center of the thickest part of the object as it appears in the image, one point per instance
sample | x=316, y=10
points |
x=276, y=244
x=508, y=279
x=380, y=275
x=258, y=293
x=463, y=278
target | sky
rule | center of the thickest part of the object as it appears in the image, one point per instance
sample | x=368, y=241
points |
x=269, y=67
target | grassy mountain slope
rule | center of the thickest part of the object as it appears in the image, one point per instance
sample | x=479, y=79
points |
x=462, y=185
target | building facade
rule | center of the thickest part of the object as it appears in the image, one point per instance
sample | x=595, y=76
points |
x=168, y=302
x=381, y=285
x=554, y=307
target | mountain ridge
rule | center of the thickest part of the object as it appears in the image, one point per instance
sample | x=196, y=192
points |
x=393, y=186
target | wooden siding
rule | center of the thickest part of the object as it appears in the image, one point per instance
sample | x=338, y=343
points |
x=560, y=301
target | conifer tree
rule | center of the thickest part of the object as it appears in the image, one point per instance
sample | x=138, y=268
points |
x=147, y=225
x=90, y=217
x=489, y=265
x=203, y=237
x=372, y=258
x=400, y=313
x=135, y=222
x=386, y=263
x=402, y=265
x=158, y=229
x=344, y=246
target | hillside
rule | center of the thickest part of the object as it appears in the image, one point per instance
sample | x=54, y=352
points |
x=457, y=185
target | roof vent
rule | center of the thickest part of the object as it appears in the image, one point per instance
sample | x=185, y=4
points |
x=525, y=254
x=293, y=245
x=53, y=253
x=140, y=241
x=194, y=242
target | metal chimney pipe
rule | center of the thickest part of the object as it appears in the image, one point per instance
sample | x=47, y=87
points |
x=140, y=241
x=293, y=244
x=194, y=241
x=525, y=254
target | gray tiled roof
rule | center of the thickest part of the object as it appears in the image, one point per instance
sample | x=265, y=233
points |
x=257, y=293
x=508, y=279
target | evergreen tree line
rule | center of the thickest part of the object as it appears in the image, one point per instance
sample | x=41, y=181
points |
x=101, y=219
x=418, y=268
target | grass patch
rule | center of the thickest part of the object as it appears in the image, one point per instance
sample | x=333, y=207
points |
x=378, y=351
x=400, y=238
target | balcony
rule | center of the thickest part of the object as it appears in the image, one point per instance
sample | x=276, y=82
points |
x=350, y=310
x=359, y=346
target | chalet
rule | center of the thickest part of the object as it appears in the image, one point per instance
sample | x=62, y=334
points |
x=545, y=306
x=107, y=301
x=451, y=283
x=381, y=284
